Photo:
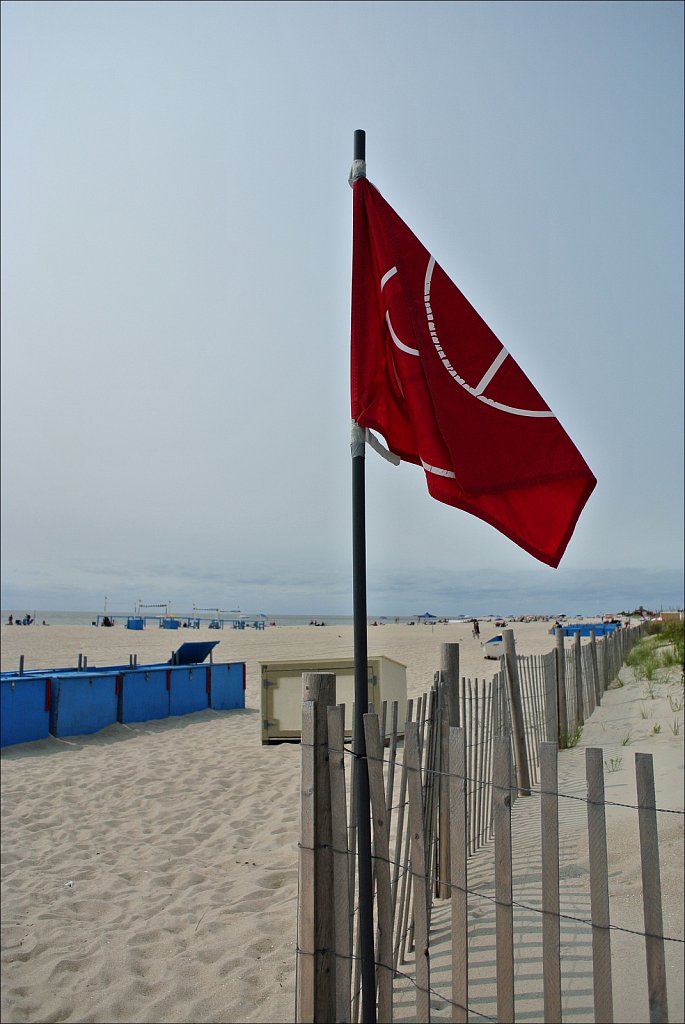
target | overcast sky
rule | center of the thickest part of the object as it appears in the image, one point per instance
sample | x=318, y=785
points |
x=176, y=232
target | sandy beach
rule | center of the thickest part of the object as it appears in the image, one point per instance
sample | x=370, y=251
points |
x=149, y=872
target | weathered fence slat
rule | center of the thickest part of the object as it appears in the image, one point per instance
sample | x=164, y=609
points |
x=482, y=768
x=539, y=708
x=525, y=669
x=518, y=733
x=449, y=689
x=470, y=768
x=551, y=712
x=419, y=878
x=595, y=668
x=537, y=718
x=381, y=842
x=570, y=679
x=341, y=887
x=489, y=762
x=443, y=866
x=578, y=678
x=549, y=812
x=320, y=687
x=651, y=890
x=398, y=905
x=407, y=925
x=562, y=710
x=425, y=763
x=458, y=853
x=504, y=916
x=430, y=781
x=599, y=886
x=392, y=760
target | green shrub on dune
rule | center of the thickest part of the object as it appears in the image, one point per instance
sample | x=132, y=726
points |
x=662, y=649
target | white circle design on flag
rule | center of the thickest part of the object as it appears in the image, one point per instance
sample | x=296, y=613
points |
x=477, y=392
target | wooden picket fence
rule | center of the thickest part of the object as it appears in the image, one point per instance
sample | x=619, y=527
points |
x=470, y=748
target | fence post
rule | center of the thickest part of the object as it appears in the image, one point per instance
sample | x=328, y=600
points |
x=580, y=703
x=651, y=890
x=516, y=710
x=306, y=938
x=449, y=665
x=561, y=688
x=319, y=687
x=599, y=886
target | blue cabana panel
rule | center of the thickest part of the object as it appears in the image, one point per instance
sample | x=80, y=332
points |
x=586, y=628
x=193, y=652
x=143, y=695
x=135, y=622
x=24, y=709
x=187, y=689
x=83, y=703
x=226, y=686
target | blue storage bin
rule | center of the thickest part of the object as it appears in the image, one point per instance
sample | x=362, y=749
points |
x=187, y=689
x=24, y=709
x=227, y=686
x=83, y=702
x=143, y=695
x=135, y=622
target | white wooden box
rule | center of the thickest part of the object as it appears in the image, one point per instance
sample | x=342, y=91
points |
x=282, y=692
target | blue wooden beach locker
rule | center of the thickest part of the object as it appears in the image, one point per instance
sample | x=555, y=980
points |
x=24, y=709
x=598, y=628
x=226, y=686
x=143, y=694
x=83, y=702
x=135, y=622
x=187, y=689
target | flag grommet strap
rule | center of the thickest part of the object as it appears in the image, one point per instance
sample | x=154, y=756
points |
x=362, y=436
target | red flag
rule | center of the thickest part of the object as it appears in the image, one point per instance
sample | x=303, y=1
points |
x=432, y=378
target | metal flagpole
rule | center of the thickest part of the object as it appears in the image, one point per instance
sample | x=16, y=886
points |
x=361, y=688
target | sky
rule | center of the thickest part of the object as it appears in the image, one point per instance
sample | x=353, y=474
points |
x=176, y=266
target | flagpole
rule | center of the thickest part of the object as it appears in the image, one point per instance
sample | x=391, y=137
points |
x=361, y=689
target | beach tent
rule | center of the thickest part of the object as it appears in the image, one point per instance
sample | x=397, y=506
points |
x=494, y=647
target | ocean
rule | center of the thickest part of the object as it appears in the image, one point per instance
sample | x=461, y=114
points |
x=87, y=618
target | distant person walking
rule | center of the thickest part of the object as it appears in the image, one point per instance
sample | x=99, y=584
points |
x=476, y=630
